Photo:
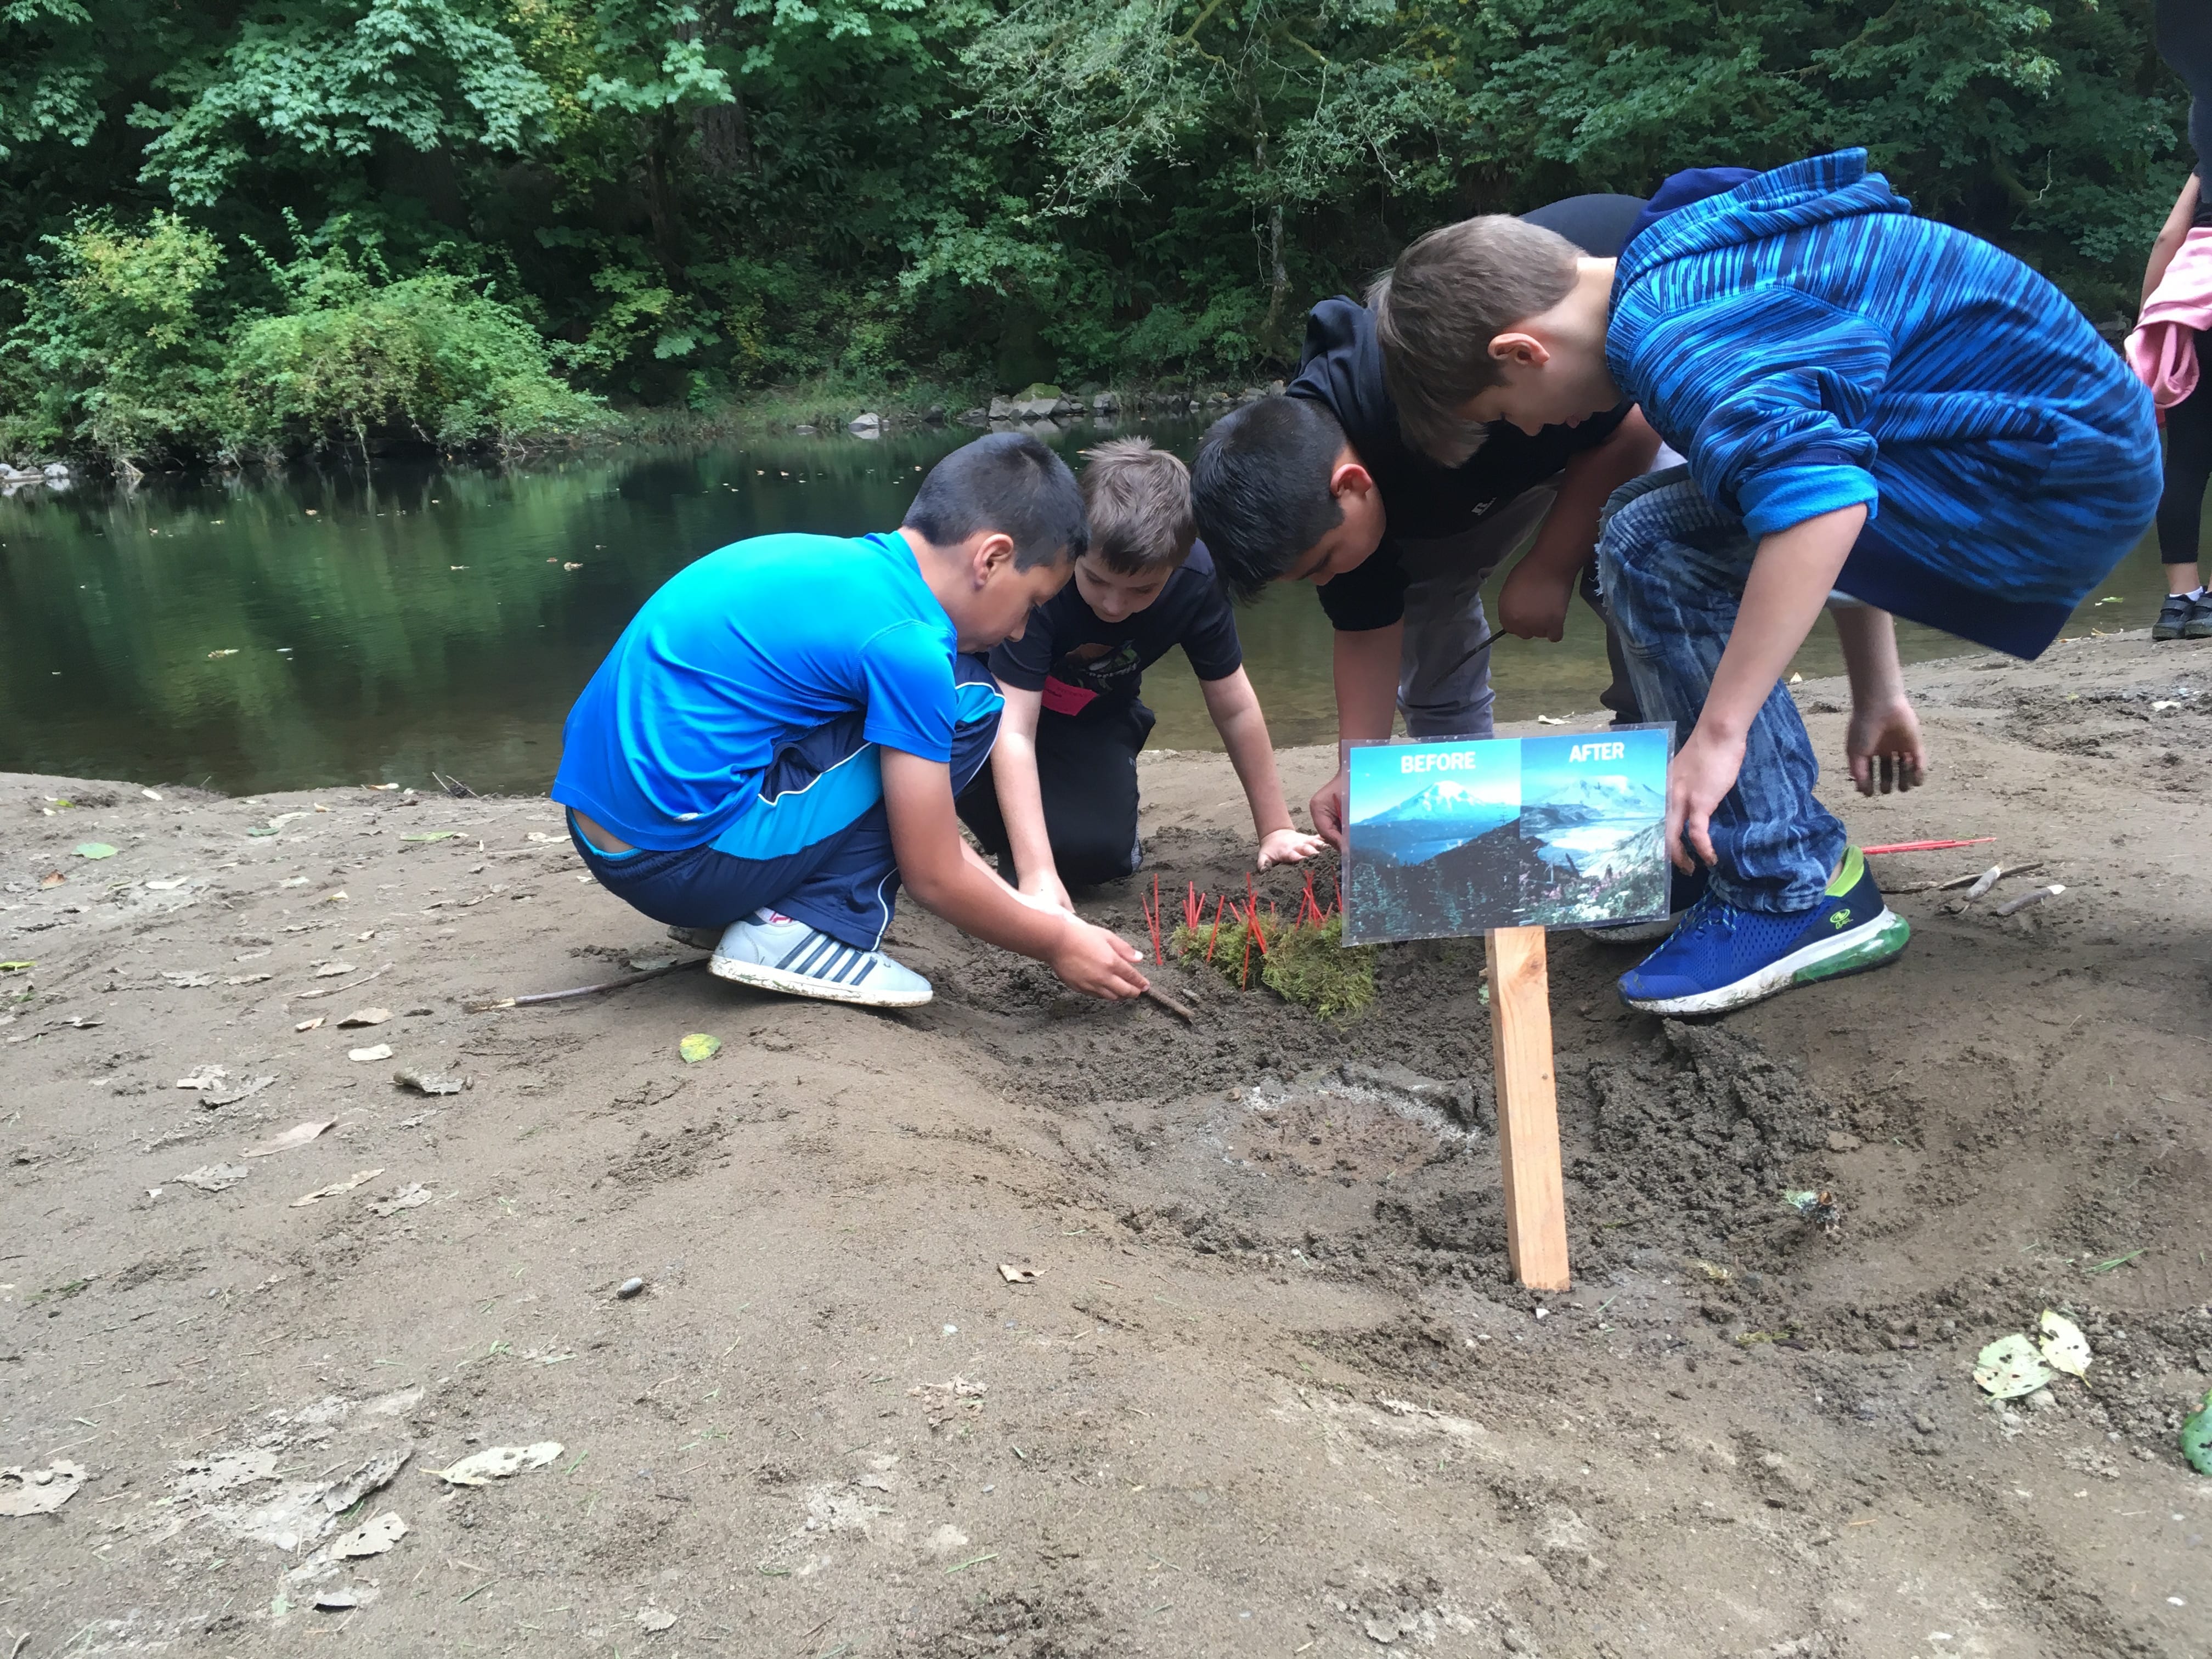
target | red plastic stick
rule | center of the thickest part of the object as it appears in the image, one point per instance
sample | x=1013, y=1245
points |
x=1924, y=845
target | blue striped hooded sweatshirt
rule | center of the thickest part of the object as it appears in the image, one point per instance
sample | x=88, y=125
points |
x=1810, y=344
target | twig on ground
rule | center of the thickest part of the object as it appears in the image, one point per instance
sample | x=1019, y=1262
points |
x=2013, y=907
x=486, y=1004
x=1180, y=1009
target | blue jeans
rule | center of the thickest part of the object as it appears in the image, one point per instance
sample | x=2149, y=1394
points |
x=815, y=842
x=1674, y=567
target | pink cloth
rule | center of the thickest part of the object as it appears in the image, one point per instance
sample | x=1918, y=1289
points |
x=2162, y=350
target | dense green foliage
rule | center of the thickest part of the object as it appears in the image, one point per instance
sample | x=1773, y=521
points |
x=675, y=202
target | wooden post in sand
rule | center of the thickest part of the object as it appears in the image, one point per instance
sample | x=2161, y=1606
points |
x=1528, y=1106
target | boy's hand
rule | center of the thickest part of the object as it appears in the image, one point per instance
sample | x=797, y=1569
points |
x=1045, y=887
x=1096, y=963
x=1885, y=748
x=1327, y=808
x=1699, y=778
x=1286, y=847
x=1533, y=602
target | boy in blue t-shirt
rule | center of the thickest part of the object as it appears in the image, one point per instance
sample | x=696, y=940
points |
x=773, y=743
x=1872, y=403
x=1059, y=797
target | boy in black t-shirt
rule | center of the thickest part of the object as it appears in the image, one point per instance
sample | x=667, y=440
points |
x=1059, y=796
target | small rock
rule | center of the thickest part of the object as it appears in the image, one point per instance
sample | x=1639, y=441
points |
x=628, y=1288
x=1002, y=409
x=1924, y=1423
x=2042, y=1400
x=1385, y=1630
x=864, y=425
x=655, y=1619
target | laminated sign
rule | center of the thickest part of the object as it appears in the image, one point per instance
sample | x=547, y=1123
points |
x=1457, y=836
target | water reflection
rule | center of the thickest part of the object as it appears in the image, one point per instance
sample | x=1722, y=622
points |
x=317, y=627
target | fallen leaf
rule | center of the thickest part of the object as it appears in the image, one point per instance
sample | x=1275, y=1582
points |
x=232, y=652
x=248, y=979
x=365, y=1017
x=2197, y=1437
x=432, y=835
x=216, y=1176
x=1017, y=1275
x=497, y=1462
x=298, y=1135
x=339, y=897
x=262, y=829
x=1551, y=720
x=697, y=1047
x=336, y=1188
x=151, y=794
x=168, y=885
x=412, y=1196
x=2009, y=1367
x=310, y=1024
x=649, y=964
x=370, y=1538
x=381, y=1051
x=2063, y=1346
x=95, y=849
x=17, y=967
x=332, y=969
x=51, y=878
x=40, y=1491
x=231, y=1094
x=189, y=982
x=429, y=1084
x=377, y=1473
x=652, y=1618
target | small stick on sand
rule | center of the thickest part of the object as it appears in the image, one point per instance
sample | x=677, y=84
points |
x=2012, y=907
x=1180, y=1011
x=1994, y=874
x=487, y=1005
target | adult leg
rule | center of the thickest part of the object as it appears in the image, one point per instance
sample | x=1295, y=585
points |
x=2188, y=470
x=1443, y=682
x=1674, y=567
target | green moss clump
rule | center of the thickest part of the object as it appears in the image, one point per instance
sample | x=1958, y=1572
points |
x=1309, y=965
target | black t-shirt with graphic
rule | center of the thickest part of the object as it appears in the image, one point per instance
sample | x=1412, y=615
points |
x=1076, y=661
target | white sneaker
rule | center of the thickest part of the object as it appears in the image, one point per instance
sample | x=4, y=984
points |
x=779, y=953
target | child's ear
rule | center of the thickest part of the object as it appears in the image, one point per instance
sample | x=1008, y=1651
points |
x=991, y=553
x=1351, y=479
x=1518, y=346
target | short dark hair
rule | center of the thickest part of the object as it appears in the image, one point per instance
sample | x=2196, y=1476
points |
x=1261, y=488
x=1448, y=297
x=1138, y=500
x=1010, y=482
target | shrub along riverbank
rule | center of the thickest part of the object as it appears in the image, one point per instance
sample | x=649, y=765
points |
x=348, y=223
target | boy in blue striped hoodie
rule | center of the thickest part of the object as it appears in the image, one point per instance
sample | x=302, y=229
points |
x=1872, y=405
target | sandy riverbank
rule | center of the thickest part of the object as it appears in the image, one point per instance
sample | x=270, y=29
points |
x=1271, y=1391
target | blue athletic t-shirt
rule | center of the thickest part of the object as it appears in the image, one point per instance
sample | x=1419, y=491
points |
x=737, y=656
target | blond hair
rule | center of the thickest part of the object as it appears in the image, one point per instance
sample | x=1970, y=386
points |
x=1435, y=313
x=1138, y=500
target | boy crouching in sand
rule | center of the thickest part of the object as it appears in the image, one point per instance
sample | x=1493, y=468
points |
x=773, y=743
x=1870, y=403
x=1060, y=793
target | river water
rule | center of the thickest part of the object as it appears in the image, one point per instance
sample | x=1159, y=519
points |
x=310, y=628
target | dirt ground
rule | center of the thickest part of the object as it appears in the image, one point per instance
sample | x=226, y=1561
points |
x=1271, y=1390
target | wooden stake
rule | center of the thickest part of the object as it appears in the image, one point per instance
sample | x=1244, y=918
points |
x=1528, y=1106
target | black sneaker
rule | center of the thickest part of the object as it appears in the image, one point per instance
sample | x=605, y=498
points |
x=2199, y=625
x=2174, y=617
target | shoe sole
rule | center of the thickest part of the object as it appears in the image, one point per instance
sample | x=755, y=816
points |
x=1869, y=945
x=764, y=978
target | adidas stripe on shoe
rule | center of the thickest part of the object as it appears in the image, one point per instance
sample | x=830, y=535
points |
x=777, y=952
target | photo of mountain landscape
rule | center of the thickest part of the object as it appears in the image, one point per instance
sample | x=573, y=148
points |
x=1452, y=838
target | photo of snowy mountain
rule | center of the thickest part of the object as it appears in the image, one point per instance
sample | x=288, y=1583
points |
x=1449, y=839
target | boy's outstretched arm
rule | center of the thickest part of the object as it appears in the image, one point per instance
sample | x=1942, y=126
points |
x=1532, y=603
x=1365, y=665
x=1235, y=708
x=1883, y=743
x=926, y=838
x=1790, y=578
x=1021, y=797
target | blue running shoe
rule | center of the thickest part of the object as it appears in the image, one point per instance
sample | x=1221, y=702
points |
x=1722, y=958
x=1683, y=892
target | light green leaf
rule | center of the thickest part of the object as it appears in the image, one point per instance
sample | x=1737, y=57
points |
x=697, y=1047
x=95, y=849
x=2064, y=1347
x=2009, y=1367
x=2196, y=1437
